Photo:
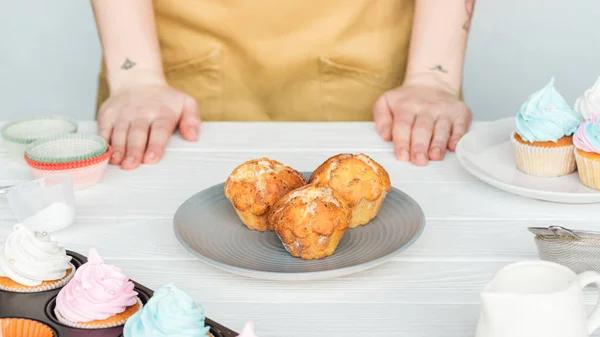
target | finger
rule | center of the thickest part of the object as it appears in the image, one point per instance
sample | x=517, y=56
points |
x=403, y=122
x=382, y=115
x=160, y=132
x=459, y=128
x=136, y=144
x=106, y=122
x=118, y=141
x=421, y=138
x=189, y=126
x=439, y=141
x=105, y=130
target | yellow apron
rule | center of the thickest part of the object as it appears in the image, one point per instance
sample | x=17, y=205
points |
x=283, y=60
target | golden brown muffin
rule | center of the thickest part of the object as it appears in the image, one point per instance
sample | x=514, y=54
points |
x=310, y=221
x=255, y=186
x=359, y=180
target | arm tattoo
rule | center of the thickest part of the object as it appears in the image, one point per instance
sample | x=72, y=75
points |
x=128, y=64
x=469, y=5
x=439, y=68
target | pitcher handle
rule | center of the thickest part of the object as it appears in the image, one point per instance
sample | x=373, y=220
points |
x=585, y=279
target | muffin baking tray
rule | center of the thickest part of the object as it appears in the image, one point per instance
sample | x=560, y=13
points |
x=40, y=307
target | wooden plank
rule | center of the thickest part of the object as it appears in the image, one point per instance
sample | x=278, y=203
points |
x=442, y=240
x=279, y=136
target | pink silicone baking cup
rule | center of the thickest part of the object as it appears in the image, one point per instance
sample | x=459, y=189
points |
x=84, y=173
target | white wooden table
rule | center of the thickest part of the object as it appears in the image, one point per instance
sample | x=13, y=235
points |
x=432, y=289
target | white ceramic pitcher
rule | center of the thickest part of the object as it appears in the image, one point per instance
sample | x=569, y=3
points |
x=537, y=299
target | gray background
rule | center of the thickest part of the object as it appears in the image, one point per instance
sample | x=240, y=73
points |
x=50, y=55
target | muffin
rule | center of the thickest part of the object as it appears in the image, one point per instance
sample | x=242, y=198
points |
x=587, y=152
x=542, y=140
x=310, y=221
x=99, y=296
x=588, y=104
x=359, y=180
x=255, y=186
x=30, y=262
x=170, y=312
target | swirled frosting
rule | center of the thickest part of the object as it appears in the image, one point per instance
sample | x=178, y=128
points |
x=248, y=330
x=588, y=104
x=587, y=137
x=29, y=258
x=169, y=313
x=546, y=116
x=96, y=292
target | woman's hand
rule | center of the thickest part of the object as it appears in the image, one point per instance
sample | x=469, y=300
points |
x=423, y=118
x=138, y=120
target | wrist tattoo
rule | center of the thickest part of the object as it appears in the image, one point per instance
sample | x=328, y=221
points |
x=128, y=64
x=469, y=6
x=439, y=68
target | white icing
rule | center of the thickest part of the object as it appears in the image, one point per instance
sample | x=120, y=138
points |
x=30, y=258
x=588, y=104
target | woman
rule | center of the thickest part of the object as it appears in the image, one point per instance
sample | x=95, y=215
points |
x=167, y=64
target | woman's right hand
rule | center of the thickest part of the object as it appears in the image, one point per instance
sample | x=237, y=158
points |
x=138, y=120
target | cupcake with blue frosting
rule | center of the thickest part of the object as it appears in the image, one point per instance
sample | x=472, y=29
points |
x=170, y=312
x=543, y=138
x=587, y=153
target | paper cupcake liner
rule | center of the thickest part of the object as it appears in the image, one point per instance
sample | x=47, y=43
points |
x=99, y=325
x=55, y=285
x=589, y=171
x=25, y=131
x=544, y=161
x=66, y=148
x=20, y=327
x=70, y=165
x=82, y=177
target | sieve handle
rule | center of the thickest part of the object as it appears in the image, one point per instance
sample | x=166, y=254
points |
x=585, y=279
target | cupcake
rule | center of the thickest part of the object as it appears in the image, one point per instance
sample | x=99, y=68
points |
x=30, y=262
x=248, y=330
x=587, y=152
x=359, y=180
x=310, y=221
x=99, y=296
x=543, y=142
x=19, y=327
x=588, y=104
x=170, y=312
x=254, y=186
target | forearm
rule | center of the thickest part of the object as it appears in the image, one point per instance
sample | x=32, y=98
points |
x=438, y=42
x=130, y=45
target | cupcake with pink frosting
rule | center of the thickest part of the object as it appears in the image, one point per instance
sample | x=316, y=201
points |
x=99, y=296
x=587, y=152
x=248, y=330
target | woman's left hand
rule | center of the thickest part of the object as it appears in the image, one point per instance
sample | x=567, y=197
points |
x=423, y=118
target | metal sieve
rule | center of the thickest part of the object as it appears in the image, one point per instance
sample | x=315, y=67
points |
x=576, y=249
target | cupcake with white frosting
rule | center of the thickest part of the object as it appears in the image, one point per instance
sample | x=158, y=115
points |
x=99, y=296
x=588, y=104
x=30, y=262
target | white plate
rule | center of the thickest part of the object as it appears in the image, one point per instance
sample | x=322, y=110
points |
x=486, y=152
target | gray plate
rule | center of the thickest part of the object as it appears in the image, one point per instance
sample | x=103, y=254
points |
x=207, y=226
